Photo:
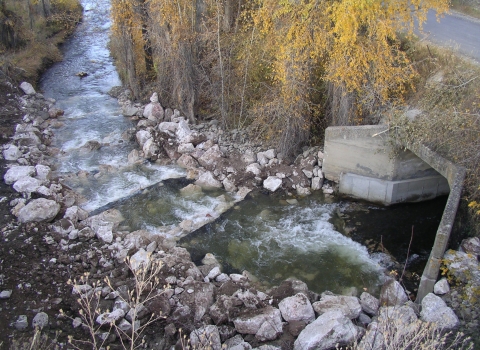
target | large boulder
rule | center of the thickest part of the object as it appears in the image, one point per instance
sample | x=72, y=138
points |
x=265, y=323
x=435, y=310
x=369, y=303
x=16, y=172
x=297, y=308
x=27, y=184
x=211, y=157
x=207, y=180
x=348, y=305
x=392, y=294
x=39, y=210
x=272, y=183
x=394, y=326
x=11, y=152
x=330, y=329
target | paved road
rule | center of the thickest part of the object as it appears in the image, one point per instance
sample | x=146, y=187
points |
x=455, y=31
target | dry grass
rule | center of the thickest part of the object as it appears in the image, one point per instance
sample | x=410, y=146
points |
x=448, y=94
x=467, y=7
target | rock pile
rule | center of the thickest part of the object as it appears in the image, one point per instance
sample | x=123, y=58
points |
x=217, y=158
x=216, y=310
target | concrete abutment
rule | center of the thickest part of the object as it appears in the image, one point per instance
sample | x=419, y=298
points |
x=362, y=161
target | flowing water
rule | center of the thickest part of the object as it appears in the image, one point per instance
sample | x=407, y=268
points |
x=267, y=235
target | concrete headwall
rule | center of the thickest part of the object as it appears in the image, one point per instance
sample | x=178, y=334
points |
x=360, y=159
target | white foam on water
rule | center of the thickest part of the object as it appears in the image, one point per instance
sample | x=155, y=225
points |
x=307, y=230
x=127, y=182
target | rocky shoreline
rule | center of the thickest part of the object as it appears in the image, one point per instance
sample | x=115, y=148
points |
x=211, y=308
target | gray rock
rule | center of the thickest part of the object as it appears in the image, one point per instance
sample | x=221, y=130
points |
x=369, y=303
x=392, y=294
x=15, y=173
x=272, y=183
x=249, y=157
x=471, y=246
x=129, y=111
x=186, y=161
x=39, y=210
x=183, y=131
x=206, y=337
x=40, y=320
x=441, y=287
x=21, y=323
x=463, y=266
x=349, y=306
x=27, y=88
x=435, y=310
x=229, y=185
x=297, y=308
x=110, y=317
x=265, y=323
x=327, y=331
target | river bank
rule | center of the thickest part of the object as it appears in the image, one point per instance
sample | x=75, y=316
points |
x=41, y=257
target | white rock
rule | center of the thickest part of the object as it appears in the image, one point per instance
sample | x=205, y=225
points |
x=26, y=184
x=214, y=273
x=297, y=308
x=207, y=180
x=75, y=214
x=330, y=329
x=302, y=191
x=43, y=172
x=186, y=148
x=435, y=310
x=5, y=294
x=140, y=259
x=183, y=130
x=150, y=148
x=142, y=137
x=27, y=88
x=317, y=183
x=11, y=152
x=44, y=191
x=272, y=183
x=249, y=157
x=441, y=287
x=17, y=172
x=229, y=185
x=39, y=210
x=254, y=168
x=168, y=127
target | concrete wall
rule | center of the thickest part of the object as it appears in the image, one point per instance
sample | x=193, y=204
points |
x=360, y=159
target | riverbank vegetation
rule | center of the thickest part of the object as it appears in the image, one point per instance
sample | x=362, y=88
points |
x=30, y=32
x=286, y=70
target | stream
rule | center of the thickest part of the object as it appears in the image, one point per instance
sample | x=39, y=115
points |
x=320, y=240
